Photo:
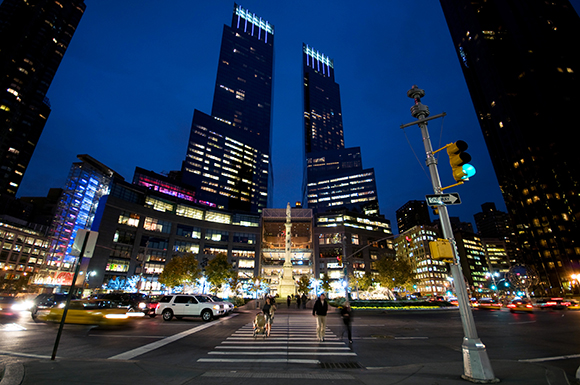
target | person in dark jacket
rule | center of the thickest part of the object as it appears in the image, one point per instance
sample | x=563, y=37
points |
x=319, y=311
x=304, y=300
x=346, y=314
x=268, y=311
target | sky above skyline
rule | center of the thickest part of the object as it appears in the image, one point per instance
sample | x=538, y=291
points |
x=135, y=71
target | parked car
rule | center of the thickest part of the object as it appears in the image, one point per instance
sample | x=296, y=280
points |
x=87, y=312
x=135, y=304
x=189, y=305
x=48, y=301
x=227, y=305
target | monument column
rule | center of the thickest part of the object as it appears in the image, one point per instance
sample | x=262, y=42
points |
x=287, y=285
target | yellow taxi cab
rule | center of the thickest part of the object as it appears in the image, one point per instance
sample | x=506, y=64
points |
x=574, y=305
x=522, y=305
x=88, y=312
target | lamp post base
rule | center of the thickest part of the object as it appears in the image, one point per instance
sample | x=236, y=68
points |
x=476, y=365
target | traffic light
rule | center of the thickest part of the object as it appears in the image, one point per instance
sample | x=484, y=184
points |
x=441, y=250
x=459, y=159
x=339, y=260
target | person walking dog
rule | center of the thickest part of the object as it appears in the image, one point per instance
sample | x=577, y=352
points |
x=319, y=311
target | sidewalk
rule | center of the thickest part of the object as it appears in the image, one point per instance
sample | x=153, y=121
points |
x=26, y=371
x=23, y=370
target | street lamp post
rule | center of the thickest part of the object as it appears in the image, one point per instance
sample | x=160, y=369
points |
x=476, y=364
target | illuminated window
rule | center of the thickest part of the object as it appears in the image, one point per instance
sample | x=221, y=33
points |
x=189, y=212
x=154, y=224
x=129, y=219
x=212, y=216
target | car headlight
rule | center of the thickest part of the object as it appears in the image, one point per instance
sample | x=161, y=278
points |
x=142, y=305
x=116, y=316
x=216, y=307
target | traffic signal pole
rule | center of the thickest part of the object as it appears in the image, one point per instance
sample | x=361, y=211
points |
x=476, y=365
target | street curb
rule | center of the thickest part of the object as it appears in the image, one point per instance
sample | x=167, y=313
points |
x=13, y=374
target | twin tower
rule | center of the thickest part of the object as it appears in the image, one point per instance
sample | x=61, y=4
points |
x=228, y=157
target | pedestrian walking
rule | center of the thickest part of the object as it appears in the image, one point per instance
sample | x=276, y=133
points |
x=267, y=310
x=346, y=314
x=288, y=301
x=297, y=302
x=319, y=311
x=304, y=300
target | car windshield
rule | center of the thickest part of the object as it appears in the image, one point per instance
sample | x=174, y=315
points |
x=203, y=298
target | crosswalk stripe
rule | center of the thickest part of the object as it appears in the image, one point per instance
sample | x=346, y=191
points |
x=287, y=347
x=297, y=340
x=284, y=353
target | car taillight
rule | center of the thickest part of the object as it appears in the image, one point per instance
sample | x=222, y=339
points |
x=511, y=305
x=157, y=306
x=528, y=305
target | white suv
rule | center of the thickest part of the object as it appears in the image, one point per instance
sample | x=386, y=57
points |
x=188, y=305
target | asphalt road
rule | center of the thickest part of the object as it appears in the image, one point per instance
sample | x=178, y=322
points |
x=380, y=339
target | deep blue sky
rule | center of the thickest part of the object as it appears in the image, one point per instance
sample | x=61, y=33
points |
x=135, y=70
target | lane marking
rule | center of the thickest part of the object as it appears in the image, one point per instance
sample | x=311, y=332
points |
x=23, y=354
x=129, y=355
x=567, y=357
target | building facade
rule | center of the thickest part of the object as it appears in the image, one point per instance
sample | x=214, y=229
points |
x=432, y=276
x=522, y=78
x=22, y=253
x=142, y=228
x=228, y=159
x=34, y=37
x=87, y=182
x=347, y=244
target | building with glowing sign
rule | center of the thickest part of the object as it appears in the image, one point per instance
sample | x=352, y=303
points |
x=228, y=155
x=334, y=177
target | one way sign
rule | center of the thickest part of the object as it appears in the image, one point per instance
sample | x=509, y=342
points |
x=443, y=199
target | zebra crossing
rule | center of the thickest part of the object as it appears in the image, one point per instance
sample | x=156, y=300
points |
x=292, y=340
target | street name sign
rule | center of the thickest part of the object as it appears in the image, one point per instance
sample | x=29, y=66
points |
x=443, y=199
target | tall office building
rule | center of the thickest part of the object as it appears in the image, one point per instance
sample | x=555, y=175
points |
x=228, y=155
x=34, y=36
x=334, y=178
x=523, y=80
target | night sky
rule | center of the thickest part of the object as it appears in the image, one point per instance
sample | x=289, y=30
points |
x=135, y=70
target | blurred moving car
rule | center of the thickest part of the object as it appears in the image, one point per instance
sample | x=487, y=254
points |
x=574, y=305
x=522, y=305
x=47, y=301
x=487, y=304
x=135, y=304
x=87, y=312
x=7, y=304
x=553, y=304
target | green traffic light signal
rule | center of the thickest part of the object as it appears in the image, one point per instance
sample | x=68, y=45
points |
x=459, y=161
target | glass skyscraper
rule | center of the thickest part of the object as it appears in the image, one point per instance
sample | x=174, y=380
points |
x=334, y=178
x=523, y=80
x=228, y=156
x=34, y=36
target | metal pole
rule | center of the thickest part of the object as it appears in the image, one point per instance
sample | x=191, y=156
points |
x=476, y=364
x=69, y=297
x=344, y=266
